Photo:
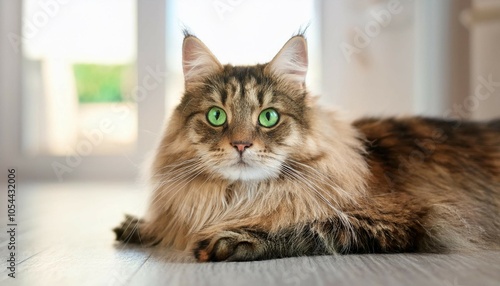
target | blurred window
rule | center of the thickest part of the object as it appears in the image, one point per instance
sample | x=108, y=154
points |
x=79, y=62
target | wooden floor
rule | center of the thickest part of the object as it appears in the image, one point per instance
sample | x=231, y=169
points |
x=64, y=237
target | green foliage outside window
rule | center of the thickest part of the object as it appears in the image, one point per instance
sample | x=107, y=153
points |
x=102, y=83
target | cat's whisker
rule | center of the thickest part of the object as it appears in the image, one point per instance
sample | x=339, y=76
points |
x=129, y=230
x=344, y=219
x=319, y=191
x=180, y=164
x=177, y=174
x=176, y=167
x=174, y=183
x=324, y=178
x=183, y=180
x=312, y=184
x=182, y=172
x=293, y=174
x=177, y=184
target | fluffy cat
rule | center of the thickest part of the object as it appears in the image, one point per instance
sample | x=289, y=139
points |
x=250, y=168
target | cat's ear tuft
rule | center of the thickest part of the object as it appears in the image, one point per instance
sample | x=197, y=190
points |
x=197, y=60
x=291, y=61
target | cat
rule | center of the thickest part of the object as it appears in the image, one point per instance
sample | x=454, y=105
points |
x=250, y=167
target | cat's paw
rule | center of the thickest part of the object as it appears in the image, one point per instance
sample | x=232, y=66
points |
x=234, y=245
x=129, y=230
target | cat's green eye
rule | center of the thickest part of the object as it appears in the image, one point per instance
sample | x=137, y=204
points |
x=268, y=117
x=216, y=116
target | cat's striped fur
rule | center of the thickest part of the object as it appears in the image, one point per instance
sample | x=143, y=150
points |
x=314, y=183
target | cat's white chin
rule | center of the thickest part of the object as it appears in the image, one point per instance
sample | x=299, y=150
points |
x=249, y=173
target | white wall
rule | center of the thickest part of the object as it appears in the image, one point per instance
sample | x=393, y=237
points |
x=485, y=62
x=368, y=49
x=422, y=60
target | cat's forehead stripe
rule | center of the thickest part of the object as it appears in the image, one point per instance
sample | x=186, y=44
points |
x=238, y=88
x=223, y=96
x=251, y=87
x=260, y=97
x=267, y=98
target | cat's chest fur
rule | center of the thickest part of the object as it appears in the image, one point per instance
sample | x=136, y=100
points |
x=202, y=203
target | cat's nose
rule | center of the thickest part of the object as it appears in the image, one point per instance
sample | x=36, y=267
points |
x=241, y=145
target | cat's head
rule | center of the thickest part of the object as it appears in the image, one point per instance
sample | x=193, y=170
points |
x=244, y=122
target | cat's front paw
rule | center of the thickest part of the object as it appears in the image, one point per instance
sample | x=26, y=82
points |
x=234, y=245
x=129, y=230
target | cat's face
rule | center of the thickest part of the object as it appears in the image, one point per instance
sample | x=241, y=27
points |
x=245, y=122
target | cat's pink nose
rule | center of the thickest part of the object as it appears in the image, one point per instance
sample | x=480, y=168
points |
x=241, y=146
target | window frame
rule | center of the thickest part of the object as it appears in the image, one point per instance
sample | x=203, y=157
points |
x=151, y=55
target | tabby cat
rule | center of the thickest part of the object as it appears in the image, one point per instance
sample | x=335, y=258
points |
x=251, y=168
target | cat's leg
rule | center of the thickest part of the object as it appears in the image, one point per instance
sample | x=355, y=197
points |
x=361, y=232
x=246, y=244
x=129, y=231
x=368, y=233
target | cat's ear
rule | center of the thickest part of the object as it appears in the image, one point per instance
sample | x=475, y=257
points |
x=197, y=60
x=291, y=61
